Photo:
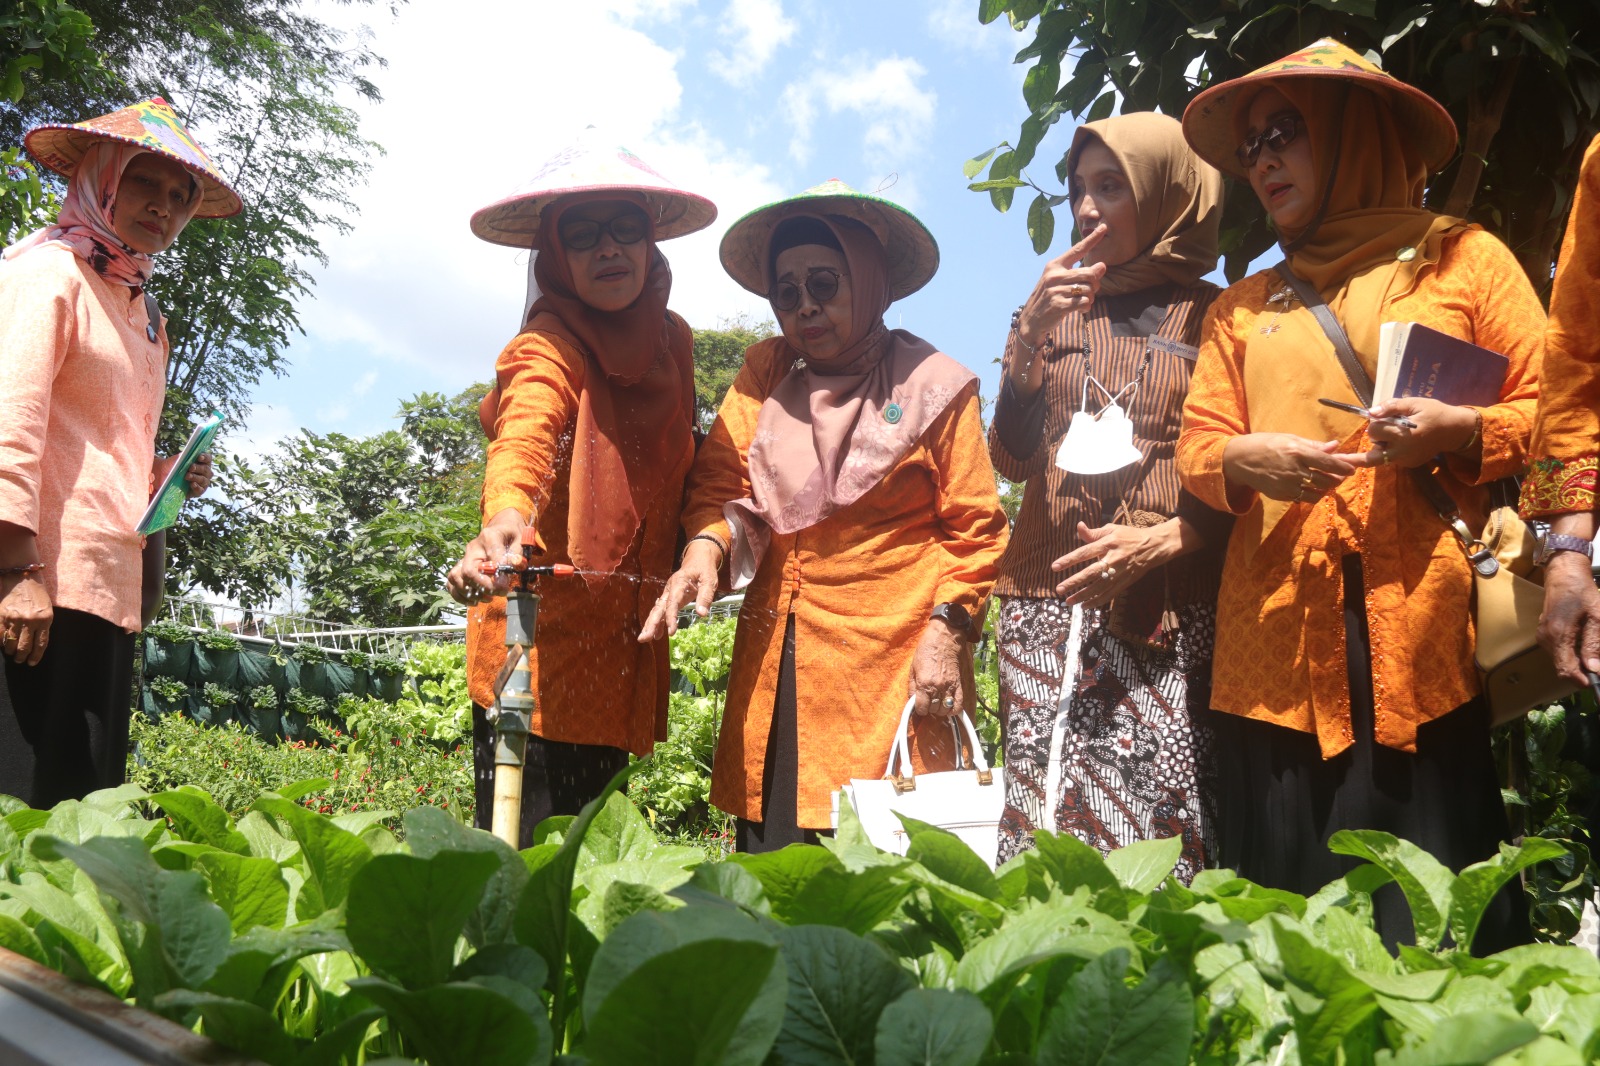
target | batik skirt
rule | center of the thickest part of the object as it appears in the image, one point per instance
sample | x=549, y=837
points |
x=1135, y=750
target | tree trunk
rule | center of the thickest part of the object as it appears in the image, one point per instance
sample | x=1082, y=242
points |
x=1483, y=122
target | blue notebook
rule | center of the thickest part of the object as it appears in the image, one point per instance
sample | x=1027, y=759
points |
x=1414, y=360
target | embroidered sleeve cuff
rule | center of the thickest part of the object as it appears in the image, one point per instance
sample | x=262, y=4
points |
x=1559, y=486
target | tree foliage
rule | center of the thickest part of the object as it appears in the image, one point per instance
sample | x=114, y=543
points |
x=350, y=528
x=1519, y=76
x=718, y=355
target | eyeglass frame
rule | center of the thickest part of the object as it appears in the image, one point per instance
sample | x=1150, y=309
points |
x=772, y=297
x=604, y=228
x=1249, y=149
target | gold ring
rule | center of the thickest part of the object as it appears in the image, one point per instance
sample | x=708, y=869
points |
x=1384, y=452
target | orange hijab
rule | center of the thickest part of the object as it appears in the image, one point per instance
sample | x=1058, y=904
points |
x=637, y=402
x=1375, y=236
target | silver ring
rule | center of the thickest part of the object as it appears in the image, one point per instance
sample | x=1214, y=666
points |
x=1108, y=572
x=949, y=701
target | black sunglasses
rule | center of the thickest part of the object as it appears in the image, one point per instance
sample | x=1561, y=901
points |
x=822, y=283
x=581, y=234
x=1281, y=131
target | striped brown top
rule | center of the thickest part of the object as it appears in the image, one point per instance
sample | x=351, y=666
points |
x=1023, y=437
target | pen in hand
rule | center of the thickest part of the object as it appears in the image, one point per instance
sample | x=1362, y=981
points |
x=1393, y=420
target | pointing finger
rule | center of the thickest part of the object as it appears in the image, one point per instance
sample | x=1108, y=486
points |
x=1076, y=253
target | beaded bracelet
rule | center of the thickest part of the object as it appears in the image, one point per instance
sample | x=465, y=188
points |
x=721, y=547
x=26, y=568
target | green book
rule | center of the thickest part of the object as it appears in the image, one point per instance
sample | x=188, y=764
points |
x=168, y=500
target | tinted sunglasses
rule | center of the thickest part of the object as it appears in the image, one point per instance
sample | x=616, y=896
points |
x=581, y=234
x=1281, y=131
x=822, y=283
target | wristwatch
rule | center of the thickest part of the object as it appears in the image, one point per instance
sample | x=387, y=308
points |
x=1562, y=542
x=953, y=615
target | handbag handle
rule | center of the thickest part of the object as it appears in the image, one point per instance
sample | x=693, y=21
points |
x=902, y=748
x=1479, y=557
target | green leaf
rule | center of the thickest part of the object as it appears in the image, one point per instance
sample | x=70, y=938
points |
x=839, y=985
x=1041, y=223
x=544, y=911
x=989, y=10
x=970, y=168
x=196, y=817
x=1478, y=884
x=483, y=1022
x=332, y=855
x=1144, y=864
x=1069, y=863
x=406, y=913
x=251, y=891
x=514, y=962
x=731, y=882
x=687, y=1005
x=1005, y=165
x=1466, y=1040
x=1041, y=932
x=1361, y=9
x=235, y=1023
x=1101, y=109
x=1101, y=1020
x=1424, y=880
x=1040, y=84
x=948, y=857
x=16, y=936
x=933, y=1027
x=190, y=932
x=430, y=830
x=996, y=184
x=810, y=886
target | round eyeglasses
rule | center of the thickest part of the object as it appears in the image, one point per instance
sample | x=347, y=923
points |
x=822, y=283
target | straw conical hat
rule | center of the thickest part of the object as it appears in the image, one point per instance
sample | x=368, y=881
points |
x=589, y=165
x=912, y=252
x=150, y=124
x=1208, y=121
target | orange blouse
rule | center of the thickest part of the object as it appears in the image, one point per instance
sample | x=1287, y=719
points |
x=596, y=683
x=81, y=390
x=1280, y=652
x=860, y=585
x=1566, y=433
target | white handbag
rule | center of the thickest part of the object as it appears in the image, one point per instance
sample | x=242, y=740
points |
x=967, y=801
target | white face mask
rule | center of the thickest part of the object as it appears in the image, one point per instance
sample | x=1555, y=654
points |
x=1098, y=444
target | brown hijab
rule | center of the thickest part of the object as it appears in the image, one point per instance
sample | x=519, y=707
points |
x=1176, y=194
x=831, y=431
x=637, y=400
x=1374, y=236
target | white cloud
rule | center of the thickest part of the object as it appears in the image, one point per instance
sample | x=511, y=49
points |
x=955, y=23
x=897, y=112
x=464, y=128
x=264, y=427
x=364, y=386
x=754, y=29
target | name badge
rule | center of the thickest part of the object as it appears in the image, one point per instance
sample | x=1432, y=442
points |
x=1171, y=347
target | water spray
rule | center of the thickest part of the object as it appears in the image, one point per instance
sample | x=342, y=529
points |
x=513, y=686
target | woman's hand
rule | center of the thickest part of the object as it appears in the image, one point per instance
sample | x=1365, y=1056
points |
x=1114, y=557
x=1569, y=626
x=936, y=670
x=1441, y=427
x=1063, y=288
x=501, y=536
x=695, y=580
x=199, y=476
x=25, y=616
x=1282, y=466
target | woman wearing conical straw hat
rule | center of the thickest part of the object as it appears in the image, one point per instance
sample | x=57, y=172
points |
x=82, y=383
x=591, y=433
x=846, y=488
x=1344, y=655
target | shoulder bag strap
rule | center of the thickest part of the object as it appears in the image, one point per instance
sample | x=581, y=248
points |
x=1478, y=555
x=152, y=310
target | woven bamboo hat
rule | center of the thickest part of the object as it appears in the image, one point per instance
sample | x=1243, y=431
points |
x=1209, y=120
x=150, y=124
x=588, y=165
x=912, y=252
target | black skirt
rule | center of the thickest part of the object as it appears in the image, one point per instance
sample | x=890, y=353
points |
x=1280, y=801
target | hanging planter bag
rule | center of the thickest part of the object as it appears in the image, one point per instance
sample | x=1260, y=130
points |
x=215, y=666
x=149, y=705
x=360, y=664
x=167, y=655
x=285, y=671
x=255, y=669
x=265, y=722
x=340, y=678
x=388, y=680
x=296, y=726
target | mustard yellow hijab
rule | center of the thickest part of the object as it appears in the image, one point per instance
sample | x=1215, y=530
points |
x=1177, y=199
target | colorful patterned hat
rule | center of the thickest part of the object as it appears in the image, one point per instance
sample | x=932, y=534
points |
x=1208, y=121
x=149, y=124
x=590, y=164
x=912, y=252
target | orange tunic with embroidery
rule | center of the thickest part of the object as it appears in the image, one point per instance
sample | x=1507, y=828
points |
x=596, y=683
x=860, y=585
x=1280, y=653
x=1566, y=432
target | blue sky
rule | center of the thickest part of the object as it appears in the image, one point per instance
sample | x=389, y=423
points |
x=744, y=102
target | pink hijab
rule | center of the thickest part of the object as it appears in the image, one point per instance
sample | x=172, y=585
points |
x=829, y=432
x=85, y=221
